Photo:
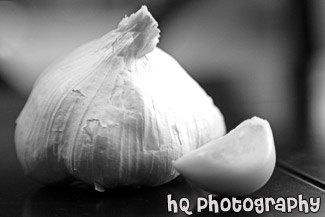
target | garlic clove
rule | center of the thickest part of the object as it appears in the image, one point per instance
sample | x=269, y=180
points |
x=236, y=164
x=115, y=112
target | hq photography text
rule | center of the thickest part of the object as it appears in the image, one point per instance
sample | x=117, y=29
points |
x=258, y=205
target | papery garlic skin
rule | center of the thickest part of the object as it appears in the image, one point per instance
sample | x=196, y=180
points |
x=116, y=112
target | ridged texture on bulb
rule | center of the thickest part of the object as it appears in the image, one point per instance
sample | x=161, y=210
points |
x=115, y=112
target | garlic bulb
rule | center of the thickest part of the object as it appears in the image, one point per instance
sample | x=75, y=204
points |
x=115, y=112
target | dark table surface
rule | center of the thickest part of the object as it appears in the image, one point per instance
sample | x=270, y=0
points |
x=300, y=173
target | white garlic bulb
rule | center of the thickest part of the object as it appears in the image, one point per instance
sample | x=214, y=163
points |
x=115, y=112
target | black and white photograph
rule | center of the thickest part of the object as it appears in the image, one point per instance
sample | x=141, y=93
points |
x=164, y=108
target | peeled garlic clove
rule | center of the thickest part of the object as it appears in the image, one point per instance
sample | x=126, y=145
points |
x=115, y=112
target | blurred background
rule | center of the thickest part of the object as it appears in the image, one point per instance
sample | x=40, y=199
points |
x=254, y=57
